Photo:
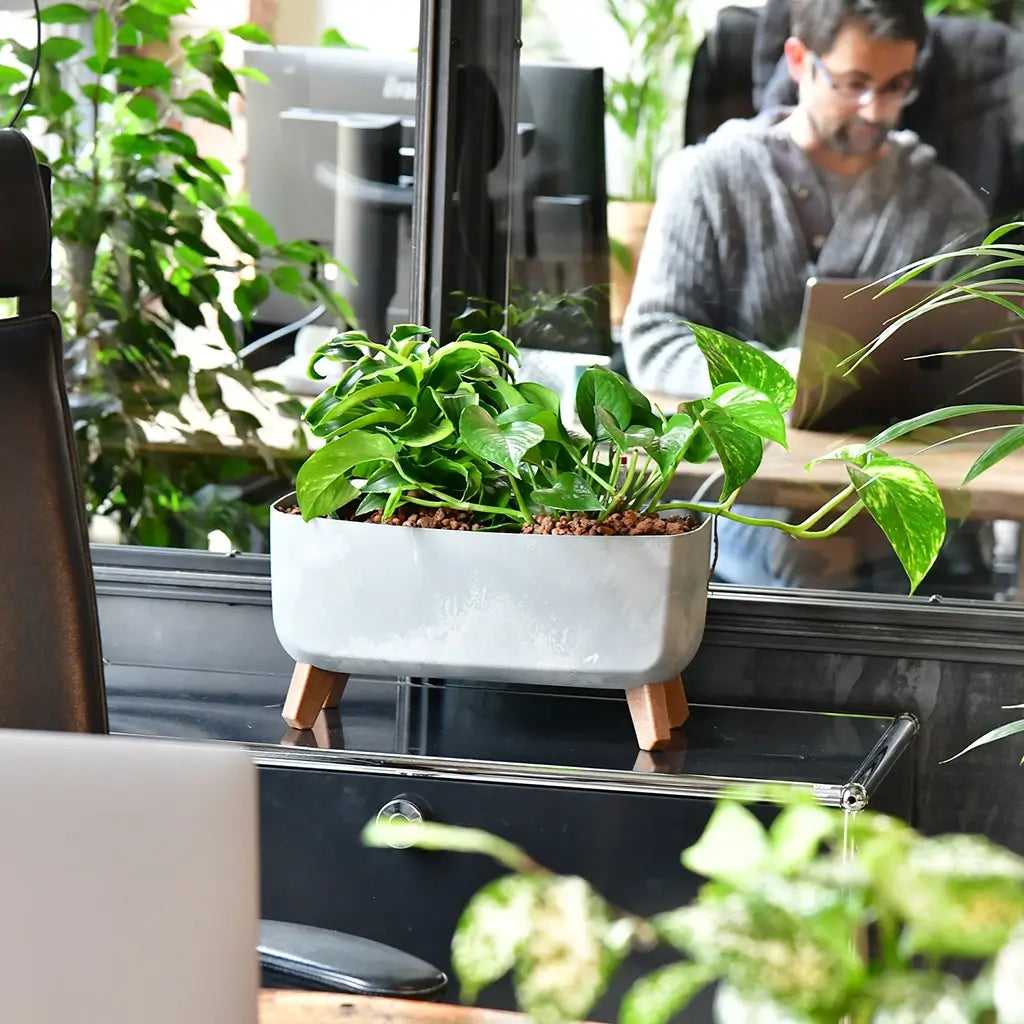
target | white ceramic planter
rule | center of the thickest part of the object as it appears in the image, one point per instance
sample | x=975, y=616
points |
x=586, y=611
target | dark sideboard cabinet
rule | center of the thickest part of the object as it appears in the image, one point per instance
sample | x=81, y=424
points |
x=778, y=693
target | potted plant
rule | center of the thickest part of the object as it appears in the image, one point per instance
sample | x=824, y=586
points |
x=541, y=554
x=642, y=102
x=150, y=236
x=790, y=926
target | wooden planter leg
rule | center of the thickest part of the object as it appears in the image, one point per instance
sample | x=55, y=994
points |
x=656, y=709
x=311, y=690
x=675, y=696
x=649, y=711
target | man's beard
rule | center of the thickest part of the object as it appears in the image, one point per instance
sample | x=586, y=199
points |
x=853, y=136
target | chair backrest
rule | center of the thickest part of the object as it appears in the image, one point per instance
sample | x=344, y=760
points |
x=721, y=84
x=51, y=669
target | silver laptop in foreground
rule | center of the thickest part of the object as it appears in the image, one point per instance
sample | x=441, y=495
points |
x=915, y=370
x=128, y=881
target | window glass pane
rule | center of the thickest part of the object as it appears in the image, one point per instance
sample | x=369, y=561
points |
x=673, y=74
x=211, y=194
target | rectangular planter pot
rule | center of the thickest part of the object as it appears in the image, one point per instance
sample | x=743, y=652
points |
x=583, y=611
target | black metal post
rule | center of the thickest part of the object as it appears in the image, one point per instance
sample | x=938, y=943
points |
x=466, y=131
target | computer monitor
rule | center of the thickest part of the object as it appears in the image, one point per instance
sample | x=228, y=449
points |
x=330, y=159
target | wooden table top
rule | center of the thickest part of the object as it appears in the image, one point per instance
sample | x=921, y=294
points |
x=783, y=481
x=280, y=1007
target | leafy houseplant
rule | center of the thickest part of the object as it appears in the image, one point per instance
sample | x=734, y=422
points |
x=648, y=94
x=991, y=271
x=150, y=237
x=793, y=929
x=642, y=102
x=411, y=422
x=443, y=435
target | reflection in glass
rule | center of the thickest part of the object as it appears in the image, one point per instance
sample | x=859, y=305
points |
x=979, y=558
x=160, y=265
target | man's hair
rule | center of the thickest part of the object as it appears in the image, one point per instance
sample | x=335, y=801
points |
x=816, y=23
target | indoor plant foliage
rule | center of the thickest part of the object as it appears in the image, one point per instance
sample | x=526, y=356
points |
x=991, y=271
x=133, y=204
x=794, y=929
x=644, y=99
x=417, y=425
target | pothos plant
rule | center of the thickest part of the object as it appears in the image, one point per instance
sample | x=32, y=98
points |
x=151, y=237
x=412, y=421
x=790, y=927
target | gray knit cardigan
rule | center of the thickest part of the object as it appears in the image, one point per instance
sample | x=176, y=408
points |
x=725, y=246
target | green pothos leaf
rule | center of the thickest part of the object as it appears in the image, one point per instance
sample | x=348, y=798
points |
x=322, y=484
x=503, y=444
x=730, y=360
x=738, y=449
x=752, y=410
x=906, y=504
x=599, y=387
x=394, y=500
x=428, y=423
x=673, y=444
x=568, y=492
x=632, y=437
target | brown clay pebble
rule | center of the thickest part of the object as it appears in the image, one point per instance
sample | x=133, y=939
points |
x=619, y=524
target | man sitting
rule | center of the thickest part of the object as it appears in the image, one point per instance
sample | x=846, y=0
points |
x=829, y=188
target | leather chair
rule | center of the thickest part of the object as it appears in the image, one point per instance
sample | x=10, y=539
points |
x=721, y=83
x=51, y=668
x=51, y=671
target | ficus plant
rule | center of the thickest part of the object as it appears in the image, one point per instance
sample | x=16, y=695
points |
x=151, y=236
x=415, y=422
x=790, y=927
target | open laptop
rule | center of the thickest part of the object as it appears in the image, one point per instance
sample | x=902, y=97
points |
x=911, y=372
x=128, y=881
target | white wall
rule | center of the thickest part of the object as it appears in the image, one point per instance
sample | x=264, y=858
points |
x=389, y=25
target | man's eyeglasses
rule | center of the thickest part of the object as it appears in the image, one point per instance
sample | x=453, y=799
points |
x=859, y=91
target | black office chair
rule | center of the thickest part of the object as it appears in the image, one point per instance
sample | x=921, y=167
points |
x=51, y=669
x=51, y=672
x=721, y=83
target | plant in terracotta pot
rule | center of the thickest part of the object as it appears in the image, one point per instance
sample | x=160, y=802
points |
x=527, y=550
